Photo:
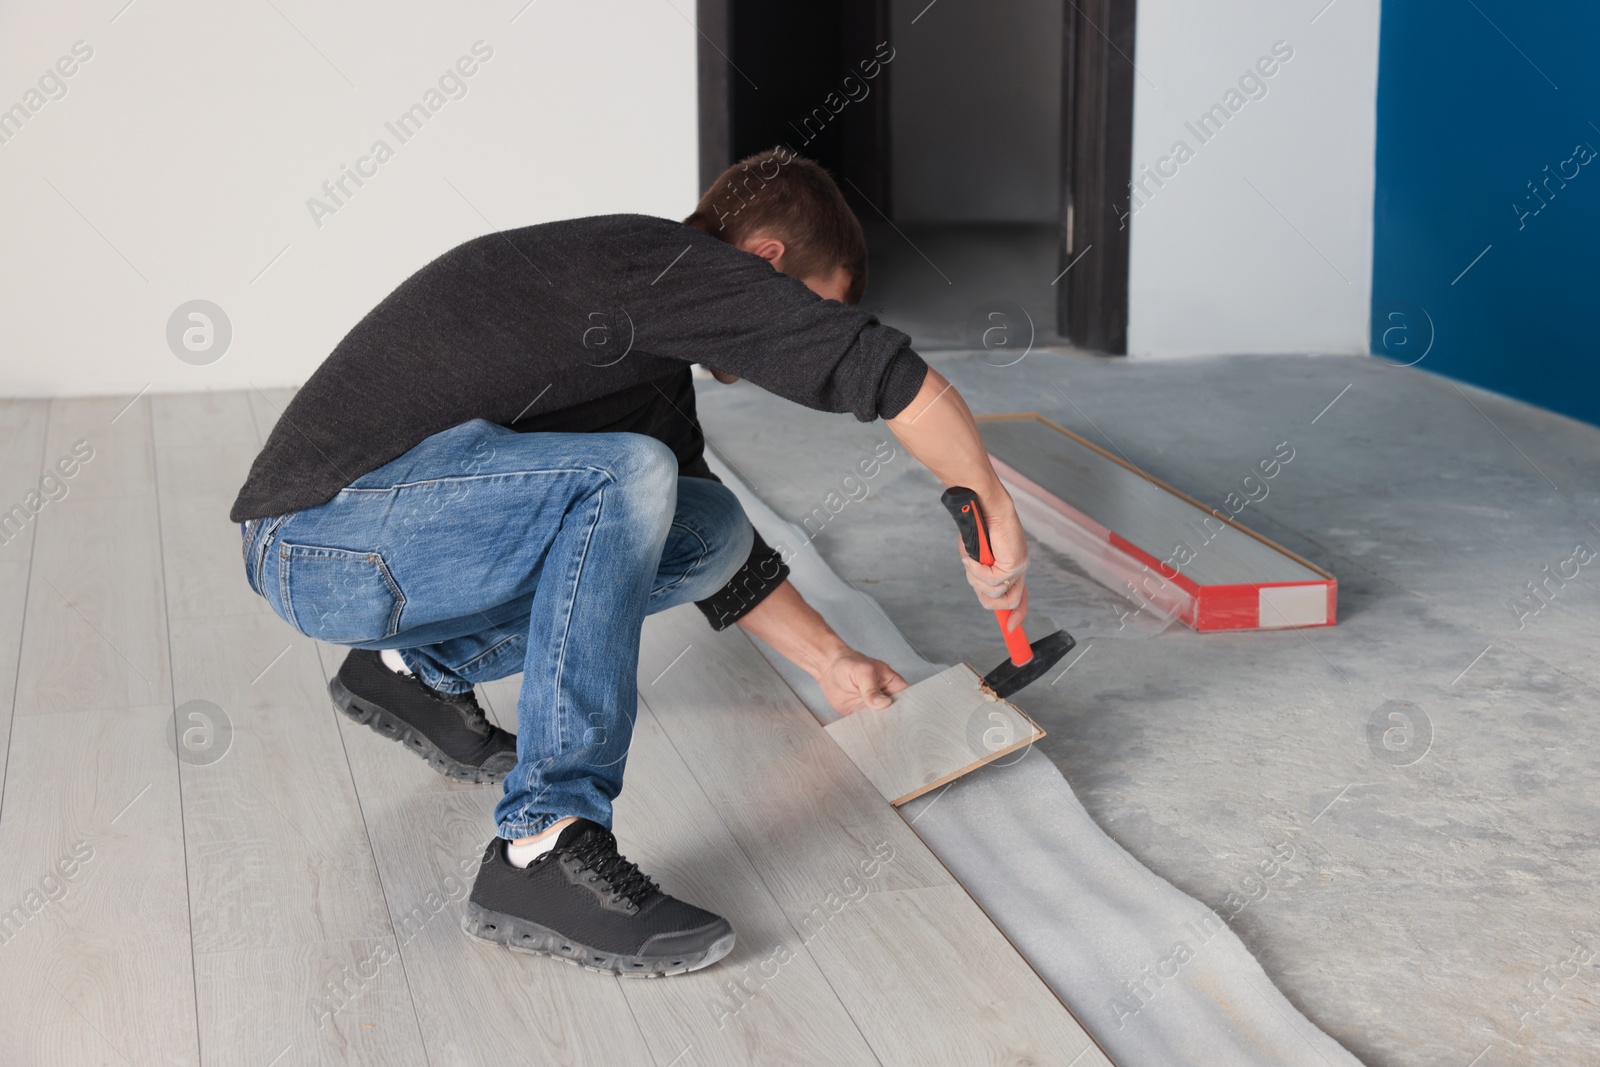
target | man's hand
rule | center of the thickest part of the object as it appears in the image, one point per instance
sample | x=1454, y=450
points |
x=938, y=429
x=1001, y=585
x=796, y=632
x=852, y=681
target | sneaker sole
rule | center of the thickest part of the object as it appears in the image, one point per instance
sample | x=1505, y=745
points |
x=396, y=729
x=497, y=928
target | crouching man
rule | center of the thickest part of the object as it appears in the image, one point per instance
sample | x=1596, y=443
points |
x=499, y=469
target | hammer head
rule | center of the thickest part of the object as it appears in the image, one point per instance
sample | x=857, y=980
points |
x=1009, y=677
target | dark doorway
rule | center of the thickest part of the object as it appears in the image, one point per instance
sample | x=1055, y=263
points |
x=983, y=146
x=1096, y=165
x=801, y=74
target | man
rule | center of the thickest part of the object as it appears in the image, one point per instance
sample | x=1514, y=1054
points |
x=499, y=470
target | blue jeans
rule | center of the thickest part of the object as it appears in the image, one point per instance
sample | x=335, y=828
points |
x=482, y=552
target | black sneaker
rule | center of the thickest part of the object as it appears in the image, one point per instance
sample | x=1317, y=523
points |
x=584, y=903
x=449, y=730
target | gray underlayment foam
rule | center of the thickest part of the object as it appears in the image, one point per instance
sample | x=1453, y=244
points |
x=1100, y=928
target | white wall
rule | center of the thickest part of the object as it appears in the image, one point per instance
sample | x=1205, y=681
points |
x=975, y=103
x=179, y=162
x=1262, y=241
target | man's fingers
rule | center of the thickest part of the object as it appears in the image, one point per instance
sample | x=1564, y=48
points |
x=878, y=682
x=861, y=682
x=997, y=591
x=1011, y=598
x=989, y=573
x=999, y=585
x=871, y=689
x=993, y=574
x=871, y=695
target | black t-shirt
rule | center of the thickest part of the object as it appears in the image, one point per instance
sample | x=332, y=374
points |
x=587, y=325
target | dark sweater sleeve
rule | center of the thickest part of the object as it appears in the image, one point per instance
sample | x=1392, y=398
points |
x=901, y=383
x=731, y=311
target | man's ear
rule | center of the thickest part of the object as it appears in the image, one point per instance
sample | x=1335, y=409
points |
x=768, y=248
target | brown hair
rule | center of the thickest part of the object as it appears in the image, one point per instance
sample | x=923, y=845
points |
x=780, y=194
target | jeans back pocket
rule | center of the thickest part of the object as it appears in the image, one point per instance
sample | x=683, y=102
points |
x=338, y=595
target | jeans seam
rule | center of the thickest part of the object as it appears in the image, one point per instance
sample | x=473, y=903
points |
x=260, y=563
x=566, y=629
x=394, y=588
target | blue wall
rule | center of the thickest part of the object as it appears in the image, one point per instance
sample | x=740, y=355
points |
x=1465, y=122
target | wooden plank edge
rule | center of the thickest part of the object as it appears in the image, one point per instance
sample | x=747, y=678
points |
x=969, y=768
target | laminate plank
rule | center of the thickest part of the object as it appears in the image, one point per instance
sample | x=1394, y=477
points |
x=13, y=598
x=277, y=848
x=204, y=444
x=109, y=437
x=767, y=1002
x=204, y=557
x=95, y=634
x=333, y=1003
x=94, y=937
x=934, y=732
x=22, y=444
x=814, y=828
x=931, y=980
x=22, y=429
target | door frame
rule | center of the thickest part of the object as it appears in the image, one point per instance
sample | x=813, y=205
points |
x=1096, y=168
x=713, y=19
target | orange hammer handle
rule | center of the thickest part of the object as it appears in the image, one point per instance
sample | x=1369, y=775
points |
x=962, y=503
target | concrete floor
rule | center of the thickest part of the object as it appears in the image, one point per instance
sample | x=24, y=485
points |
x=1439, y=905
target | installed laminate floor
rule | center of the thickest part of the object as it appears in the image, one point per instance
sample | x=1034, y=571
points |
x=200, y=862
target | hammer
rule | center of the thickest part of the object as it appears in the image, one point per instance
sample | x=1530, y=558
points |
x=1027, y=662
